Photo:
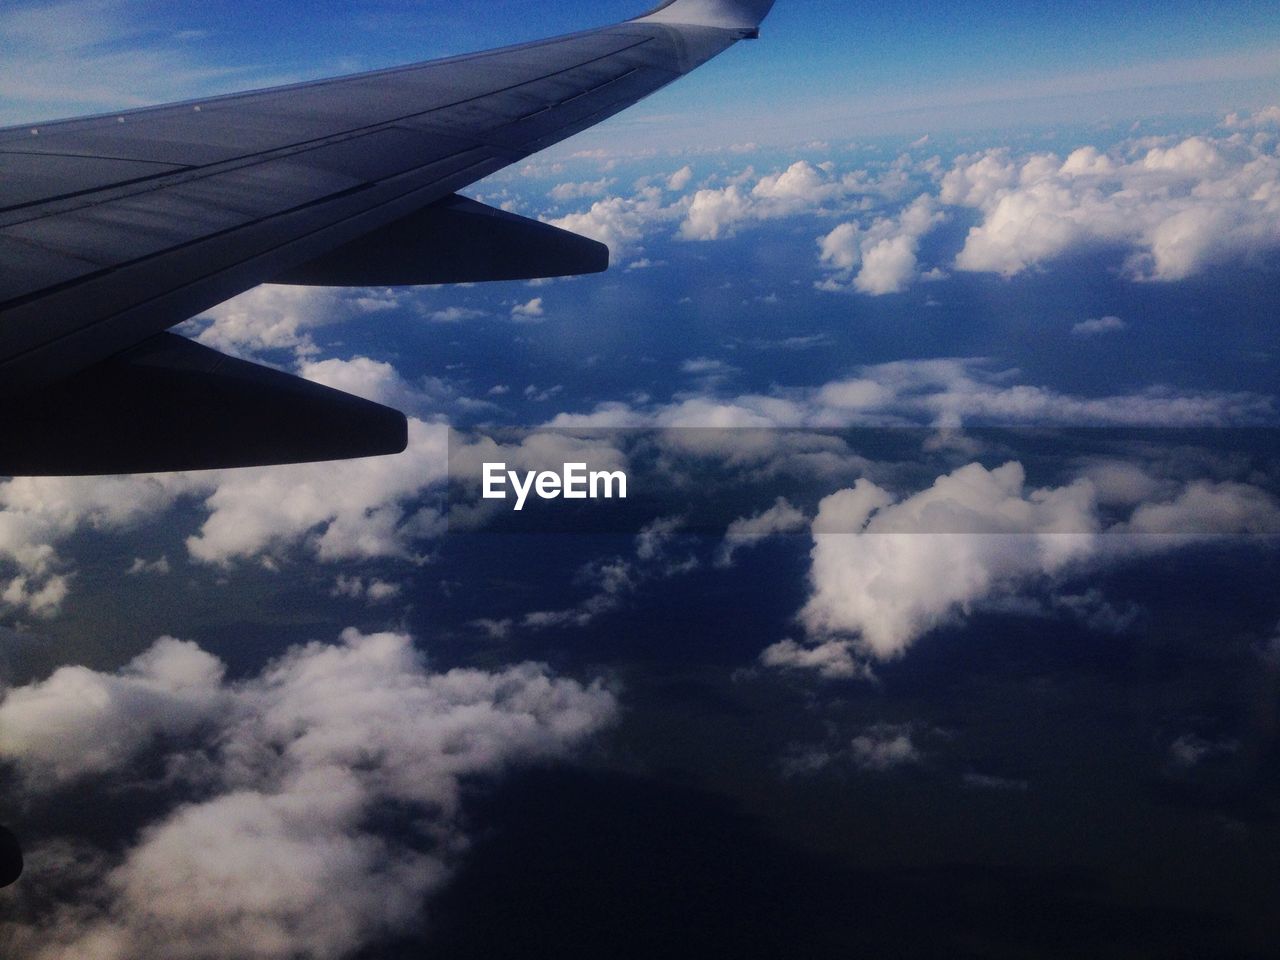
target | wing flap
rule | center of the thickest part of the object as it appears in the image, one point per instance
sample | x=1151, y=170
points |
x=172, y=404
x=454, y=241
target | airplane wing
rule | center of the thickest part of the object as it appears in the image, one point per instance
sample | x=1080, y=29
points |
x=114, y=228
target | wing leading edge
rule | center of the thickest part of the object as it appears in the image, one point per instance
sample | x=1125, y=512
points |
x=115, y=228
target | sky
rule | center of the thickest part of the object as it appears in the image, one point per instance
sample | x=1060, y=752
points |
x=939, y=344
x=849, y=69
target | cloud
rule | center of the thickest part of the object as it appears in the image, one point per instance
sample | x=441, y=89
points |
x=613, y=579
x=1177, y=209
x=454, y=315
x=1258, y=120
x=39, y=513
x=576, y=191
x=882, y=571
x=533, y=310
x=374, y=590
x=886, y=570
x=680, y=179
x=141, y=566
x=714, y=212
x=1190, y=750
x=884, y=254
x=272, y=317
x=883, y=747
x=802, y=188
x=366, y=509
x=746, y=532
x=620, y=223
x=80, y=722
x=273, y=786
x=347, y=510
x=1097, y=326
x=946, y=393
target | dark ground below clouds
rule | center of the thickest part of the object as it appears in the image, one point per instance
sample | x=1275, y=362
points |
x=1083, y=838
x=580, y=864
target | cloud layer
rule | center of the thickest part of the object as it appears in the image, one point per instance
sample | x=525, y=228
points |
x=277, y=852
x=1172, y=206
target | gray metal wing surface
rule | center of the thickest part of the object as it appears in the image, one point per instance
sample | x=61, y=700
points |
x=114, y=228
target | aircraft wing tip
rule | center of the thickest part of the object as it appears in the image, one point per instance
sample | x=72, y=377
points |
x=728, y=14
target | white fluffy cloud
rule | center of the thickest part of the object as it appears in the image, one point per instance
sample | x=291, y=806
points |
x=882, y=570
x=1176, y=208
x=802, y=188
x=351, y=509
x=36, y=514
x=272, y=317
x=886, y=570
x=713, y=212
x=620, y=223
x=274, y=848
x=680, y=179
x=884, y=254
x=530, y=311
x=80, y=722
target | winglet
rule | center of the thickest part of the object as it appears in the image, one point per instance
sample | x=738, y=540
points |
x=728, y=14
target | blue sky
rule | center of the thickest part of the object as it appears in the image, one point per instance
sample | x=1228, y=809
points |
x=850, y=68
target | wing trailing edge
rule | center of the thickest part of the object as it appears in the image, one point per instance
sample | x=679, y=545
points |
x=456, y=240
x=172, y=404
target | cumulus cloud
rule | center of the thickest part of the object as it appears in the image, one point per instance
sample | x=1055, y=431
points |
x=680, y=179
x=271, y=317
x=877, y=748
x=1190, y=750
x=37, y=514
x=1176, y=208
x=800, y=189
x=276, y=846
x=351, y=509
x=532, y=310
x=884, y=254
x=612, y=580
x=620, y=223
x=743, y=198
x=80, y=722
x=885, y=570
x=1260, y=119
x=881, y=569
